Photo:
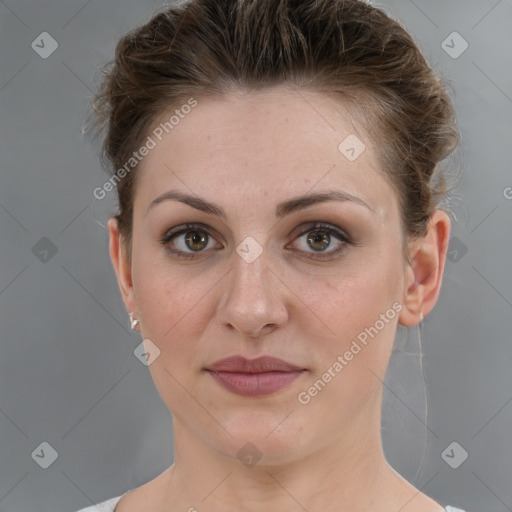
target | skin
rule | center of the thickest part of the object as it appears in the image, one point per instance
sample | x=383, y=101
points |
x=247, y=152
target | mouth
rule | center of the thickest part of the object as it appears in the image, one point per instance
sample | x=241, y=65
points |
x=256, y=377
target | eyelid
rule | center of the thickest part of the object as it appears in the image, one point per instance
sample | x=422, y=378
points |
x=189, y=226
x=310, y=226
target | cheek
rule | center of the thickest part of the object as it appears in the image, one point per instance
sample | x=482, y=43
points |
x=352, y=356
x=171, y=309
x=173, y=317
x=358, y=312
x=352, y=299
x=169, y=298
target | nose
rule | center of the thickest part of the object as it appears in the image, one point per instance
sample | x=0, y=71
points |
x=255, y=300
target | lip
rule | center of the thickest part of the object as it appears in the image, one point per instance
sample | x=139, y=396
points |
x=254, y=377
x=259, y=365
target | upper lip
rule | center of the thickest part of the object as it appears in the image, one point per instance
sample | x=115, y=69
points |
x=259, y=365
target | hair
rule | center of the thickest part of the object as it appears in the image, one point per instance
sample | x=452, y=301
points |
x=346, y=47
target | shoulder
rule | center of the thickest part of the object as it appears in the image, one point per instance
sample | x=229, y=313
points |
x=104, y=506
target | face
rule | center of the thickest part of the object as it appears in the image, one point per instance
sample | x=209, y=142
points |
x=315, y=283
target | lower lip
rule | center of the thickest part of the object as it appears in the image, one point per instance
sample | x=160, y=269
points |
x=254, y=384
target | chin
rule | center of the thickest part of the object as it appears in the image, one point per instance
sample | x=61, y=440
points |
x=254, y=442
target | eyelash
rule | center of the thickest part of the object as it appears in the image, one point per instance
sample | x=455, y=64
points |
x=317, y=226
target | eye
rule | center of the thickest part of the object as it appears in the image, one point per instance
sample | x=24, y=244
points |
x=321, y=237
x=189, y=239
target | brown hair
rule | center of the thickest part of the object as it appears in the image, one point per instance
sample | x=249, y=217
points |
x=347, y=47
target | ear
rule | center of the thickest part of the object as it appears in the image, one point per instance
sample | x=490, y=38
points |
x=425, y=272
x=122, y=267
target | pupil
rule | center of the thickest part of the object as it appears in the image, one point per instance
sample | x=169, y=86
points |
x=319, y=238
x=194, y=238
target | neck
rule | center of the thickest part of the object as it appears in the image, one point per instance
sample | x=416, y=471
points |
x=347, y=472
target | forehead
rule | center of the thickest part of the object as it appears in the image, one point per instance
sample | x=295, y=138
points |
x=274, y=143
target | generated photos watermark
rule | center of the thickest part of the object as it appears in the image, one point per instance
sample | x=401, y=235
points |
x=157, y=136
x=304, y=397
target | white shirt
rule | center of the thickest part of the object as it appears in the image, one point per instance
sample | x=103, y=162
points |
x=110, y=505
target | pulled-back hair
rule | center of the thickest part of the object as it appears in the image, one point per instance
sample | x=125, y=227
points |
x=345, y=47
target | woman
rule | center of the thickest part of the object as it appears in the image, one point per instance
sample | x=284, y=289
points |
x=278, y=171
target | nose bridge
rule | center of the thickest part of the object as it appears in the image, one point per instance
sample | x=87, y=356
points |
x=252, y=298
x=250, y=276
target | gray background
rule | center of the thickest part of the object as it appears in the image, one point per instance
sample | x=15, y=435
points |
x=68, y=375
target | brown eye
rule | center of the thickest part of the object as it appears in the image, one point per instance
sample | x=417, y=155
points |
x=322, y=241
x=196, y=240
x=184, y=241
x=319, y=241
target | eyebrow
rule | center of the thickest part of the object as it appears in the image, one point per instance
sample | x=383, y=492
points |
x=282, y=209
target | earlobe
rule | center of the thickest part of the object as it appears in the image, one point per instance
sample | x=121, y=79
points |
x=422, y=283
x=121, y=265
